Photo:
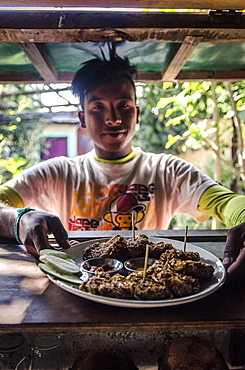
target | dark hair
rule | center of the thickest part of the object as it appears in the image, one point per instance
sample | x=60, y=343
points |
x=96, y=72
x=104, y=358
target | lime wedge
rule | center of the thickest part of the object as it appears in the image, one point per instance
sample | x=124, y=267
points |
x=54, y=252
x=53, y=272
x=60, y=264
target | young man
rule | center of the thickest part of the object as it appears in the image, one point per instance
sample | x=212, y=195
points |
x=105, y=187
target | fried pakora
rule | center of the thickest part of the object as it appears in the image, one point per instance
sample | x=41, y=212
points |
x=175, y=274
x=123, y=249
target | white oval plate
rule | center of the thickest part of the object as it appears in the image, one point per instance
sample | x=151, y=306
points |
x=211, y=286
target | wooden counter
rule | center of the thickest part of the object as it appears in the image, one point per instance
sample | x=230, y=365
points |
x=29, y=302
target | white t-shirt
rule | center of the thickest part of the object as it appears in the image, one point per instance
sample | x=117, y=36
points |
x=91, y=195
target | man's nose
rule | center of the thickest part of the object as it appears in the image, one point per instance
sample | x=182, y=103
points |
x=113, y=118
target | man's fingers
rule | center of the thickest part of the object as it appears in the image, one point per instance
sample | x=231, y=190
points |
x=32, y=250
x=234, y=243
x=40, y=241
x=34, y=230
x=236, y=270
x=57, y=229
x=229, y=255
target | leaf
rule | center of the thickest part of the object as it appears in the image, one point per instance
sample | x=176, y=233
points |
x=172, y=140
x=173, y=110
x=175, y=121
x=163, y=102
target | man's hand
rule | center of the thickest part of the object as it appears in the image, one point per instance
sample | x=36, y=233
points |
x=234, y=253
x=34, y=227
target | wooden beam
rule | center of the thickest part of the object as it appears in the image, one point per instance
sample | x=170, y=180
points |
x=238, y=75
x=159, y=4
x=41, y=27
x=143, y=76
x=180, y=58
x=47, y=19
x=29, y=77
x=20, y=78
x=176, y=35
x=40, y=61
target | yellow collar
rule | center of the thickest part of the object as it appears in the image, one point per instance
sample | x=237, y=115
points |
x=126, y=159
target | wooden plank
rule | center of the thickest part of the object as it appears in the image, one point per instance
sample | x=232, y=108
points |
x=236, y=353
x=176, y=35
x=193, y=235
x=180, y=58
x=215, y=236
x=144, y=76
x=167, y=325
x=167, y=4
x=47, y=20
x=19, y=77
x=40, y=61
x=46, y=26
x=238, y=75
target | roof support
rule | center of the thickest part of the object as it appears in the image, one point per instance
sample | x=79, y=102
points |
x=40, y=61
x=45, y=26
x=143, y=76
x=180, y=58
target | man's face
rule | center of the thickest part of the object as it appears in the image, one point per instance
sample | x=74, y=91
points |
x=110, y=115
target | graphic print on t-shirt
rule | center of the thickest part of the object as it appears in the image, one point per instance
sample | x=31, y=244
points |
x=121, y=210
x=99, y=207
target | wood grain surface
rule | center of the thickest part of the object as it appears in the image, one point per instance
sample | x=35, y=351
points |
x=30, y=302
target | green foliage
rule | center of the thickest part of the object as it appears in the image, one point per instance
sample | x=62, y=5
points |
x=192, y=115
x=228, y=176
x=10, y=167
x=177, y=117
x=180, y=221
x=19, y=135
x=197, y=103
x=153, y=132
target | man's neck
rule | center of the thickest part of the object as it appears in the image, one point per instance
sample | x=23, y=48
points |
x=121, y=160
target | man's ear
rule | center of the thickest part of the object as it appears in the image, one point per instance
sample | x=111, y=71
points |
x=81, y=119
x=137, y=115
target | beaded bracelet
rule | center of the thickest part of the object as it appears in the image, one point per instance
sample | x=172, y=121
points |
x=21, y=212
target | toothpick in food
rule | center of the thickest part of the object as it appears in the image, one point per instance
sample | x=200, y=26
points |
x=186, y=230
x=146, y=261
x=133, y=229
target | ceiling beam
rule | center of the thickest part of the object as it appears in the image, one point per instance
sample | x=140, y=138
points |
x=159, y=4
x=143, y=76
x=40, y=61
x=152, y=34
x=176, y=35
x=45, y=26
x=238, y=75
x=180, y=58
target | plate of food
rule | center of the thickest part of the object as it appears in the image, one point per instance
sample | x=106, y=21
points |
x=179, y=274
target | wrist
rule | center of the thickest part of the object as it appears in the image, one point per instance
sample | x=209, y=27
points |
x=20, y=213
x=7, y=217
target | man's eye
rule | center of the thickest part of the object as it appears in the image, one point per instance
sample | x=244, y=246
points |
x=97, y=106
x=124, y=105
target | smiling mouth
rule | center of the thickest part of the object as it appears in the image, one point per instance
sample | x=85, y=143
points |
x=114, y=133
